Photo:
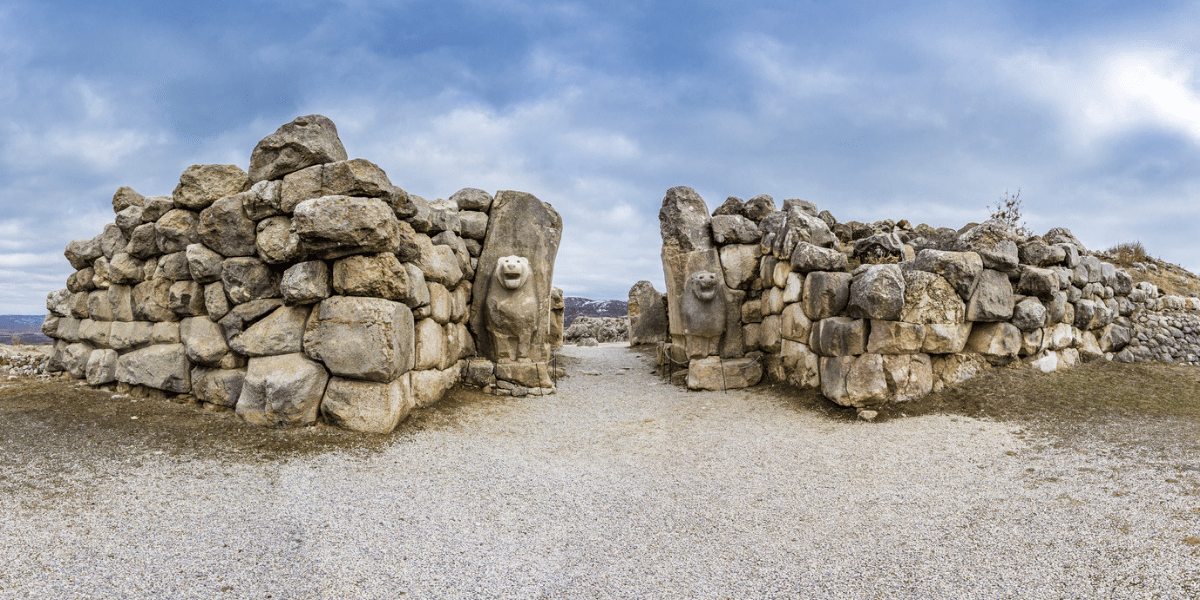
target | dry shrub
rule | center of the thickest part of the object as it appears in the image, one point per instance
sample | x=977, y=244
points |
x=1127, y=253
x=1008, y=210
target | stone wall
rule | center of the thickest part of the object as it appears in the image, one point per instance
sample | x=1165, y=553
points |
x=888, y=312
x=309, y=287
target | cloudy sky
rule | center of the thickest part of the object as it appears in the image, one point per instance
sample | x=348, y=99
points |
x=927, y=111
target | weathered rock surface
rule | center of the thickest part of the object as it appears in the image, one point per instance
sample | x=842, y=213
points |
x=368, y=406
x=362, y=338
x=306, y=141
x=282, y=391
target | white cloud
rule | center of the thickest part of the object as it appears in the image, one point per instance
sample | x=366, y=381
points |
x=1108, y=93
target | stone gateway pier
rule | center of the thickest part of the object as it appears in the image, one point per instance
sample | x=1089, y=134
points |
x=311, y=286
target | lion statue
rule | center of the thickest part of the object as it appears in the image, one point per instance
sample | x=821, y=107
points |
x=703, y=312
x=512, y=308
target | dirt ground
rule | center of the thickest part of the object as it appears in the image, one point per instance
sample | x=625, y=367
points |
x=1153, y=408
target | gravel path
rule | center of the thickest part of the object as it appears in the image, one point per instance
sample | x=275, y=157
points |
x=619, y=486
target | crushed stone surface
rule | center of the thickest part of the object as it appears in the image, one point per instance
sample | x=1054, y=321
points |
x=618, y=486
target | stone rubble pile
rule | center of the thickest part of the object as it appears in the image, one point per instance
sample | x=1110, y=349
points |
x=887, y=312
x=602, y=329
x=22, y=360
x=308, y=287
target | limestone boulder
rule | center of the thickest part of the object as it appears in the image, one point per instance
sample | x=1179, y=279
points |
x=1029, y=314
x=825, y=294
x=305, y=283
x=282, y=391
x=125, y=197
x=161, y=366
x=186, y=298
x=74, y=358
x=1114, y=338
x=472, y=224
x=908, y=376
x=740, y=264
x=376, y=275
x=216, y=303
x=684, y=222
x=221, y=387
x=734, y=229
x=959, y=269
x=306, y=141
x=355, y=177
x=281, y=332
x=247, y=279
x=992, y=299
x=929, y=298
x=172, y=266
x=895, y=337
x=201, y=185
x=176, y=230
x=112, y=240
x=263, y=199
x=952, y=369
x=101, y=367
x=999, y=343
x=472, y=199
x=242, y=316
x=715, y=373
x=994, y=242
x=945, y=338
x=143, y=241
x=431, y=385
x=430, y=340
x=647, y=314
x=807, y=257
x=877, y=292
x=152, y=301
x=531, y=375
x=362, y=338
x=368, y=406
x=203, y=341
x=81, y=253
x=854, y=380
x=203, y=263
x=801, y=365
x=794, y=324
x=758, y=207
x=154, y=207
x=224, y=228
x=337, y=226
x=838, y=336
x=130, y=335
x=305, y=184
x=1042, y=283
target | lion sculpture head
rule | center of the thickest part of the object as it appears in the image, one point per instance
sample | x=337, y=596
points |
x=703, y=285
x=512, y=271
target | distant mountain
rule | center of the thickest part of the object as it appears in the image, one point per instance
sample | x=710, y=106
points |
x=29, y=327
x=586, y=307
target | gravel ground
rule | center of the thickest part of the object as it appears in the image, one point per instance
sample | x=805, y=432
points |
x=619, y=486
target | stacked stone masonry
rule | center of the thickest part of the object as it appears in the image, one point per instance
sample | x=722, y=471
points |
x=308, y=288
x=887, y=312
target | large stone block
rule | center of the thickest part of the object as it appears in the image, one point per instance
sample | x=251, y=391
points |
x=801, y=365
x=368, y=406
x=305, y=283
x=431, y=385
x=102, y=367
x=909, y=376
x=945, y=338
x=929, y=298
x=826, y=294
x=152, y=301
x=1000, y=343
x=951, y=369
x=308, y=140
x=224, y=228
x=1042, y=283
x=131, y=335
x=376, y=275
x=838, y=336
x=647, y=314
x=430, y=345
x=533, y=375
x=221, y=387
x=337, y=226
x=277, y=242
x=715, y=373
x=959, y=269
x=281, y=332
x=74, y=358
x=362, y=338
x=794, y=324
x=992, y=299
x=895, y=337
x=994, y=243
x=201, y=185
x=176, y=230
x=95, y=332
x=807, y=257
x=203, y=340
x=735, y=229
x=854, y=380
x=877, y=292
x=740, y=264
x=282, y=391
x=186, y=298
x=162, y=366
x=248, y=279
x=1029, y=314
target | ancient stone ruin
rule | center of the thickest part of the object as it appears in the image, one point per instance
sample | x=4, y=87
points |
x=887, y=312
x=311, y=285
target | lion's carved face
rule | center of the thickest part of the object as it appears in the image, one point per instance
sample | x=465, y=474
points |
x=513, y=271
x=704, y=285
